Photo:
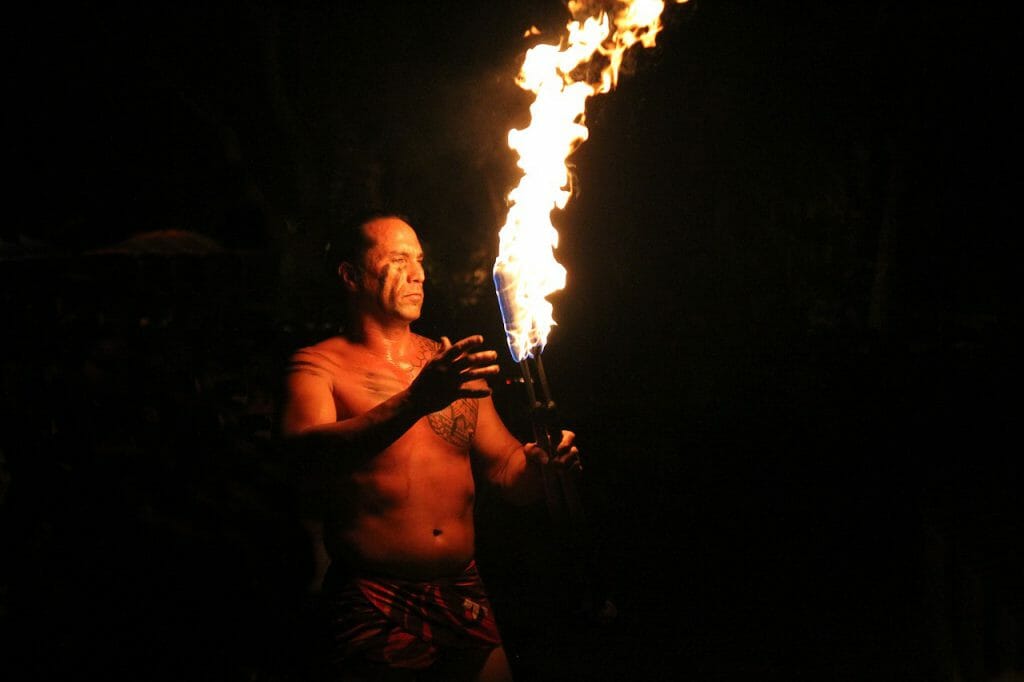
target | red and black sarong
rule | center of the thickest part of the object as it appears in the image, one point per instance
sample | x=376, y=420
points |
x=407, y=624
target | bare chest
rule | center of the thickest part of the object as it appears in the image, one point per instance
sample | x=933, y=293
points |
x=360, y=387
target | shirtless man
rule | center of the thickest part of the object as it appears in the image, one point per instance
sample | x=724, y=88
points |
x=402, y=423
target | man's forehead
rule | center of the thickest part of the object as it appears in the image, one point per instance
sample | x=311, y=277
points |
x=391, y=234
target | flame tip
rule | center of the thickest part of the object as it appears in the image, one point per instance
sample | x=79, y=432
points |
x=562, y=77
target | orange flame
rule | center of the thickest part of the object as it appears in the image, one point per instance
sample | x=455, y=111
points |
x=526, y=271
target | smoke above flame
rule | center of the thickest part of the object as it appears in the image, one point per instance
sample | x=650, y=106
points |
x=562, y=76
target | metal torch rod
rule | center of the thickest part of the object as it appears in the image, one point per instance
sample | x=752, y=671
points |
x=543, y=378
x=563, y=498
x=564, y=503
x=541, y=406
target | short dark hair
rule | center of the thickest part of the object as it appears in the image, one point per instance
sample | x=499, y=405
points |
x=348, y=242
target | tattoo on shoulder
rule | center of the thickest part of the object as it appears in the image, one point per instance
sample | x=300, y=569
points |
x=456, y=423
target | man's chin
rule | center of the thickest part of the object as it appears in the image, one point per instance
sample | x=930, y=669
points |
x=410, y=313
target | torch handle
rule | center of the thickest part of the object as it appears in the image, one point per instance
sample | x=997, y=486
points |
x=560, y=487
x=561, y=491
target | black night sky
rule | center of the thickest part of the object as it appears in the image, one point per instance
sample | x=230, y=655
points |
x=788, y=342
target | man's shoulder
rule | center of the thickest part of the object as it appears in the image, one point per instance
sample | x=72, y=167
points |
x=329, y=354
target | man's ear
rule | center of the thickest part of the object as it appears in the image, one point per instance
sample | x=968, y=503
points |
x=349, y=276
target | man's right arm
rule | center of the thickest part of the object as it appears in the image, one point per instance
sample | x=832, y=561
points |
x=310, y=415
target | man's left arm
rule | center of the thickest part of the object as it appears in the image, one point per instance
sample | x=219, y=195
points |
x=513, y=466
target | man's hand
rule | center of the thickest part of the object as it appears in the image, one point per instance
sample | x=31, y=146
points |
x=566, y=457
x=445, y=377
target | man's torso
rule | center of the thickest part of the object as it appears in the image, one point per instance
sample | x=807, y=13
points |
x=407, y=511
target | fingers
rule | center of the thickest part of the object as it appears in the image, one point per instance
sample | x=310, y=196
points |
x=567, y=455
x=470, y=341
x=480, y=369
x=566, y=460
x=470, y=366
x=535, y=453
x=472, y=361
x=468, y=375
x=451, y=351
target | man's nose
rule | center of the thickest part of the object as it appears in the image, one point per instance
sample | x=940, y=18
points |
x=417, y=273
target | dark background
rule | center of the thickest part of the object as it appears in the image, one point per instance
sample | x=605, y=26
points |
x=788, y=342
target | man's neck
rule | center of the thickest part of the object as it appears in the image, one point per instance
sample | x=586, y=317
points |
x=390, y=340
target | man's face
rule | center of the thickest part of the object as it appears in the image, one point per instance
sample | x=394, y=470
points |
x=391, y=281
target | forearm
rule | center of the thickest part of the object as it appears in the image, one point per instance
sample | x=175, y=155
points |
x=366, y=434
x=519, y=479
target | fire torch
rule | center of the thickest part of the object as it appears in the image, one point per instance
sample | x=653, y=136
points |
x=562, y=76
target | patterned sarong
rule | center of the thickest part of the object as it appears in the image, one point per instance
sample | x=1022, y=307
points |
x=407, y=624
